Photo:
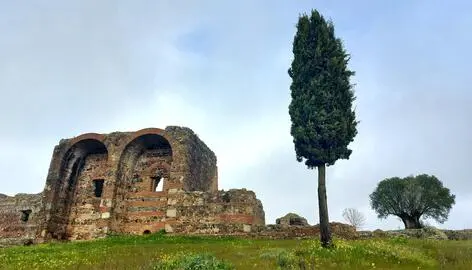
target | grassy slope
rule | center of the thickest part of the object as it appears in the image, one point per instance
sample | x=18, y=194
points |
x=140, y=252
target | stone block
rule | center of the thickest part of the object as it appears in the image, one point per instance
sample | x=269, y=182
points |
x=172, y=191
x=246, y=228
x=171, y=213
x=168, y=228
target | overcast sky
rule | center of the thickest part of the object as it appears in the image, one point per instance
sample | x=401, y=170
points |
x=220, y=68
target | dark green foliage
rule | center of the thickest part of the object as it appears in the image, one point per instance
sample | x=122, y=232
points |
x=411, y=198
x=194, y=262
x=323, y=122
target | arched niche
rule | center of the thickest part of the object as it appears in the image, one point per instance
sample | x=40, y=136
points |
x=144, y=164
x=85, y=152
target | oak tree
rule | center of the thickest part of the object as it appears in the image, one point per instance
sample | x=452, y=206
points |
x=411, y=198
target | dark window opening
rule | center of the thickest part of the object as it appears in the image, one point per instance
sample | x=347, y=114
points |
x=98, y=187
x=147, y=232
x=157, y=183
x=25, y=215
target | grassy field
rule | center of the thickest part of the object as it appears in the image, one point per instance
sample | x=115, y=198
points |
x=159, y=251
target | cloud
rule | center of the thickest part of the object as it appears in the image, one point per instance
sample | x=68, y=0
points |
x=220, y=68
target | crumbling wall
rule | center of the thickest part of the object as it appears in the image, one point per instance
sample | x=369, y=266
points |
x=101, y=183
x=292, y=219
x=278, y=231
x=459, y=234
x=68, y=209
x=86, y=218
x=201, y=173
x=174, y=156
x=19, y=218
x=144, y=201
x=235, y=211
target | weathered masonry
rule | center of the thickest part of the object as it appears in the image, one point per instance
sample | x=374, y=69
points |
x=131, y=182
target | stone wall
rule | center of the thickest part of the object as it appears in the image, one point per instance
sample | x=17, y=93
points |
x=132, y=170
x=292, y=219
x=19, y=218
x=424, y=233
x=85, y=216
x=236, y=211
x=70, y=208
x=202, y=172
x=278, y=231
x=134, y=182
x=458, y=234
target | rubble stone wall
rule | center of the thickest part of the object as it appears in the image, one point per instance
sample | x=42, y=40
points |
x=133, y=182
x=19, y=218
x=130, y=168
x=236, y=211
x=202, y=171
x=278, y=231
x=85, y=218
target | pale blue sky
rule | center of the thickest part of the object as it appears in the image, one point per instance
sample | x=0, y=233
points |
x=220, y=68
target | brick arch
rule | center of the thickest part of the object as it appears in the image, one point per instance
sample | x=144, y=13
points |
x=88, y=136
x=71, y=167
x=145, y=132
x=148, y=131
x=83, y=145
x=137, y=147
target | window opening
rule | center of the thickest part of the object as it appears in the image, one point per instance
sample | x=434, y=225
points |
x=157, y=183
x=98, y=187
x=147, y=232
x=25, y=215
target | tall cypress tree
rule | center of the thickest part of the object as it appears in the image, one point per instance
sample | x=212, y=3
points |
x=323, y=121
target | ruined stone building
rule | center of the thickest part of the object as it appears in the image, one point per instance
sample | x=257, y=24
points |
x=129, y=182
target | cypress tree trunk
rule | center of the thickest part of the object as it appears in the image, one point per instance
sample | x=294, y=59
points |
x=325, y=234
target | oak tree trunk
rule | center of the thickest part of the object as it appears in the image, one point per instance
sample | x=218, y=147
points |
x=325, y=234
x=411, y=222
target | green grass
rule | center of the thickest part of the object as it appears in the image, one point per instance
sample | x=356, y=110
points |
x=160, y=251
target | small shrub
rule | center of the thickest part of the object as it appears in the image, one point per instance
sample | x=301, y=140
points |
x=272, y=253
x=379, y=233
x=192, y=262
x=347, y=254
x=285, y=260
x=434, y=233
x=399, y=239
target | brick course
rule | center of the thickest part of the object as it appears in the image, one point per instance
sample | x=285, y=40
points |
x=105, y=183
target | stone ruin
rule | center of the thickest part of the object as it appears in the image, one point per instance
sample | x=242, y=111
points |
x=292, y=219
x=129, y=182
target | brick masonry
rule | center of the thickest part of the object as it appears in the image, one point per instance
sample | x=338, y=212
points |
x=19, y=218
x=130, y=182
